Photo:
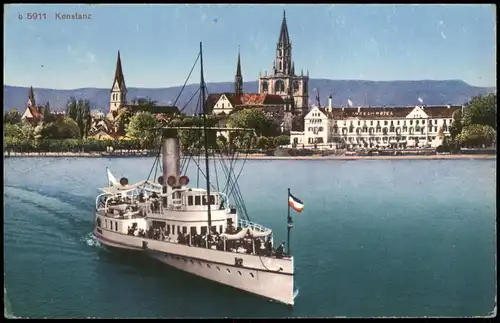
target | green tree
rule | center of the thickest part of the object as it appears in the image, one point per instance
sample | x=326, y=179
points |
x=13, y=131
x=123, y=120
x=66, y=128
x=481, y=110
x=253, y=119
x=79, y=111
x=12, y=117
x=262, y=143
x=477, y=134
x=143, y=126
x=456, y=125
x=282, y=140
x=47, y=116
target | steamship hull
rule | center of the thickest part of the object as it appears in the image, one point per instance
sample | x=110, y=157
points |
x=270, y=278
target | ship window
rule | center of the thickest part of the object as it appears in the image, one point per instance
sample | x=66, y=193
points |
x=213, y=228
x=193, y=231
x=116, y=226
x=173, y=229
x=208, y=265
x=192, y=261
x=203, y=230
x=239, y=272
x=106, y=222
x=197, y=200
x=168, y=228
x=212, y=199
x=190, y=200
x=204, y=200
x=184, y=230
x=251, y=275
x=218, y=268
x=220, y=229
x=229, y=271
x=179, y=229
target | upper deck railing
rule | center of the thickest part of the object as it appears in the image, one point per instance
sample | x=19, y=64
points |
x=252, y=225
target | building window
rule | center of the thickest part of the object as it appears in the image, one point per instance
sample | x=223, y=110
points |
x=435, y=122
x=423, y=121
x=411, y=122
x=385, y=123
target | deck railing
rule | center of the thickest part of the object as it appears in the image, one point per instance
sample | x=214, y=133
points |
x=252, y=225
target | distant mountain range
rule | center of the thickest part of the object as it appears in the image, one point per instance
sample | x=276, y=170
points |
x=361, y=93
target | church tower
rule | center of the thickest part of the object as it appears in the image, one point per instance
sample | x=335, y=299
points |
x=238, y=79
x=31, y=98
x=118, y=90
x=283, y=81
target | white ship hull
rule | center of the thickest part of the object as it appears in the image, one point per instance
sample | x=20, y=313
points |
x=267, y=277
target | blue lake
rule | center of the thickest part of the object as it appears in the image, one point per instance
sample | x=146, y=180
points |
x=376, y=238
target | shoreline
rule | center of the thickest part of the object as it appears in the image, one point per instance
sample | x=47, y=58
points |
x=262, y=157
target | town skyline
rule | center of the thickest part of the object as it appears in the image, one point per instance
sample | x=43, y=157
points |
x=400, y=46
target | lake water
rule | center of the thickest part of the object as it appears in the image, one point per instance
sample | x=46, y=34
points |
x=376, y=238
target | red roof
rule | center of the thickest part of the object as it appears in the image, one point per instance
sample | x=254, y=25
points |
x=245, y=99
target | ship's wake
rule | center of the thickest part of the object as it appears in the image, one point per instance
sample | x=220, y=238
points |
x=91, y=241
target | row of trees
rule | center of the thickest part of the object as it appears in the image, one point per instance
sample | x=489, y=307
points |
x=71, y=131
x=477, y=125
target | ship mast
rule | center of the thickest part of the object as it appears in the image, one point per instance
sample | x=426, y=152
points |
x=207, y=165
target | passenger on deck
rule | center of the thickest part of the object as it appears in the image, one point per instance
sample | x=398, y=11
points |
x=280, y=250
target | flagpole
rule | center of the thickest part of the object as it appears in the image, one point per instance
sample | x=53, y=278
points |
x=289, y=224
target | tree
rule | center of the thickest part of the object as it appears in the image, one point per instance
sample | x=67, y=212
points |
x=282, y=140
x=477, y=134
x=456, y=125
x=143, y=126
x=262, y=143
x=66, y=128
x=47, y=116
x=481, y=110
x=79, y=111
x=253, y=119
x=123, y=120
x=13, y=131
x=12, y=117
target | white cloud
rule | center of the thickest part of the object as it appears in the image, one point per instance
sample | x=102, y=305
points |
x=80, y=56
x=443, y=35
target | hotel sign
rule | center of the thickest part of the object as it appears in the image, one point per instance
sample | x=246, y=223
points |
x=373, y=113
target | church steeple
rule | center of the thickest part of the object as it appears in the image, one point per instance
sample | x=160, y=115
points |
x=119, y=78
x=238, y=79
x=118, y=90
x=284, y=50
x=31, y=97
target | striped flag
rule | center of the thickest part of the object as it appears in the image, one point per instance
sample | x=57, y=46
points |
x=295, y=203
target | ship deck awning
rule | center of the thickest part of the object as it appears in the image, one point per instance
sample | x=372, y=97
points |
x=128, y=188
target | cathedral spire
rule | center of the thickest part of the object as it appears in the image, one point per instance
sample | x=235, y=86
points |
x=31, y=97
x=119, y=78
x=284, y=39
x=238, y=79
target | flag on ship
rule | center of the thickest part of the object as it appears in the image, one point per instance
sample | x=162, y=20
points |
x=295, y=203
x=349, y=102
x=111, y=179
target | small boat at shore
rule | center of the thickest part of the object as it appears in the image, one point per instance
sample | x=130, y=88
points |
x=205, y=231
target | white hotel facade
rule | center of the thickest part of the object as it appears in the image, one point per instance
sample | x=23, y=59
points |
x=374, y=127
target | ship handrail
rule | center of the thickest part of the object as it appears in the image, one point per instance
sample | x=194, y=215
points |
x=254, y=226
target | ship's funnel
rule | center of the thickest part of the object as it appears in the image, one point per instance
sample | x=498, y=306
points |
x=171, y=158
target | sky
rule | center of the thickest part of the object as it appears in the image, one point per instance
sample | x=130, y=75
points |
x=159, y=43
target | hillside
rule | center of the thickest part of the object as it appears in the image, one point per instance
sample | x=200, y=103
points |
x=390, y=93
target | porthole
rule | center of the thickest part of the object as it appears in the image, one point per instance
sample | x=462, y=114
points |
x=192, y=261
x=218, y=268
x=251, y=275
x=208, y=265
x=239, y=272
x=229, y=271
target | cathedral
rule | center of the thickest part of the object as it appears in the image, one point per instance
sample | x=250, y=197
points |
x=283, y=81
